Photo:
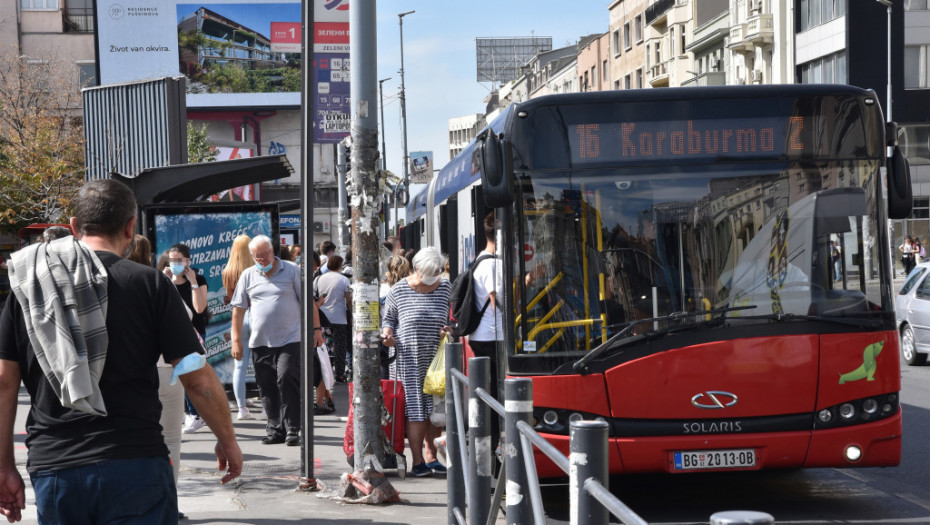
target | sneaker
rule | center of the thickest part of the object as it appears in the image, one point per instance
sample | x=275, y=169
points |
x=244, y=414
x=329, y=405
x=195, y=424
x=421, y=471
x=272, y=440
x=292, y=441
x=437, y=467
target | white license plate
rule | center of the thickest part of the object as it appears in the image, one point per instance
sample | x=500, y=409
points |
x=715, y=459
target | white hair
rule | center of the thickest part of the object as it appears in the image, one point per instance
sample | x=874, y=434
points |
x=429, y=261
x=259, y=240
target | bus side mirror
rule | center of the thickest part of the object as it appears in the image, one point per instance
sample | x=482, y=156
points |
x=900, y=196
x=496, y=181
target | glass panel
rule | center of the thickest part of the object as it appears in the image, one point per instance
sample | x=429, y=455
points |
x=915, y=5
x=840, y=77
x=805, y=15
x=828, y=69
x=815, y=13
x=911, y=67
x=826, y=7
x=840, y=7
x=690, y=240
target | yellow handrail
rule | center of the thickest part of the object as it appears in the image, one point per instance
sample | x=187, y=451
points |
x=600, y=278
x=552, y=340
x=545, y=318
x=539, y=296
x=561, y=324
x=584, y=267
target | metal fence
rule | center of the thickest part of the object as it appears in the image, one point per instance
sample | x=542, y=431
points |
x=471, y=466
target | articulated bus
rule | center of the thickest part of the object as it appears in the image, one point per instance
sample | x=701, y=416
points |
x=706, y=269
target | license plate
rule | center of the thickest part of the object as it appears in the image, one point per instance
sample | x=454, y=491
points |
x=715, y=459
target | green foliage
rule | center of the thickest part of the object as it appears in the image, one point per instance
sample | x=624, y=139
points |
x=199, y=148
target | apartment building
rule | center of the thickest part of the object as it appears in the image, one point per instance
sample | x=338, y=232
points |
x=627, y=43
x=669, y=28
x=462, y=130
x=593, y=68
x=708, y=44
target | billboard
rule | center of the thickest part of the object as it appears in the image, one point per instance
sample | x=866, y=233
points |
x=235, y=53
x=421, y=167
x=209, y=230
x=501, y=60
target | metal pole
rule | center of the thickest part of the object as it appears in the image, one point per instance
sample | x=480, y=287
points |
x=587, y=459
x=307, y=390
x=342, y=199
x=479, y=442
x=362, y=184
x=455, y=481
x=381, y=82
x=403, y=118
x=518, y=406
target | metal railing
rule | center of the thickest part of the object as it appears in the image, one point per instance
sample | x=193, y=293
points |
x=470, y=465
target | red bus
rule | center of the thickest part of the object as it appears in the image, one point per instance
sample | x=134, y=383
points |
x=706, y=269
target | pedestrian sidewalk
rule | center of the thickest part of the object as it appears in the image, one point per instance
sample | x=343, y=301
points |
x=266, y=493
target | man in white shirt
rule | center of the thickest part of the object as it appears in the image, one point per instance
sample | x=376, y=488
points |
x=488, y=277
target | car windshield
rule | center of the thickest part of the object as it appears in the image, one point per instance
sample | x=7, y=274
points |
x=912, y=279
x=601, y=249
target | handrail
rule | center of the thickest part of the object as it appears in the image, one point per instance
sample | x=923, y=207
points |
x=614, y=505
x=542, y=293
x=544, y=446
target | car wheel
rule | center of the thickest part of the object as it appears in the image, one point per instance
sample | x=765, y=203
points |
x=909, y=348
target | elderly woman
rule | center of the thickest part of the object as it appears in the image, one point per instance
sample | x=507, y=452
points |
x=415, y=313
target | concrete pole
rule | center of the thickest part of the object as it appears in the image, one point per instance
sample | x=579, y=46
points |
x=364, y=193
x=587, y=459
x=479, y=442
x=455, y=475
x=307, y=390
x=518, y=406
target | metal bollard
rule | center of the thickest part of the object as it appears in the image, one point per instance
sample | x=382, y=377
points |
x=518, y=406
x=479, y=442
x=587, y=459
x=455, y=480
x=741, y=517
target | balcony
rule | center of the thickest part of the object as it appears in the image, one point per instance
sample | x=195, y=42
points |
x=658, y=75
x=78, y=20
x=759, y=29
x=738, y=39
x=657, y=10
x=710, y=78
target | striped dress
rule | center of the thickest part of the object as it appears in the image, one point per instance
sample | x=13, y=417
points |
x=416, y=319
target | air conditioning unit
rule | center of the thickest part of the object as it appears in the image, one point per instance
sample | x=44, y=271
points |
x=756, y=76
x=715, y=64
x=755, y=7
x=320, y=226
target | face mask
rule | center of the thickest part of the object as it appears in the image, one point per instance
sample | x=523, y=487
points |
x=177, y=268
x=297, y=260
x=265, y=269
x=429, y=281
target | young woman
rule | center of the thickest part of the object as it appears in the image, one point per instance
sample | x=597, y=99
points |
x=239, y=260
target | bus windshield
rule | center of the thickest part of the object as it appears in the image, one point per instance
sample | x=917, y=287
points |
x=602, y=248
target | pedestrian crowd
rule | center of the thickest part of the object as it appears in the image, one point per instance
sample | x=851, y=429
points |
x=93, y=293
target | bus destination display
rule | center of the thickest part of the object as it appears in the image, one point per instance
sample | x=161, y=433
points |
x=621, y=142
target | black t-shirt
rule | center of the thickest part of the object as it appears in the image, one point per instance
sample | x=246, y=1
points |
x=144, y=312
x=187, y=293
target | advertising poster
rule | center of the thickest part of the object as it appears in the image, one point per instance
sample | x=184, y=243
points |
x=209, y=232
x=249, y=192
x=421, y=167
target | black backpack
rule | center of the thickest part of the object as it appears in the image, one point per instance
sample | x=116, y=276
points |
x=464, y=315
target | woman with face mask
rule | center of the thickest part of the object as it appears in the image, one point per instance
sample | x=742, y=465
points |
x=193, y=289
x=416, y=311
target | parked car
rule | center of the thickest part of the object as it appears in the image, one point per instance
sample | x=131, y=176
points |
x=912, y=310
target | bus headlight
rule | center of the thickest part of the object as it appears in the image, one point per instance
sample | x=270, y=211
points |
x=550, y=417
x=575, y=417
x=870, y=406
x=825, y=415
x=847, y=411
x=853, y=453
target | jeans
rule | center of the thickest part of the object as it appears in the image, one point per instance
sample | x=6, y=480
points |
x=138, y=491
x=241, y=366
x=277, y=373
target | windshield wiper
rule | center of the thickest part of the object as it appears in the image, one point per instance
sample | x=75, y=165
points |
x=580, y=366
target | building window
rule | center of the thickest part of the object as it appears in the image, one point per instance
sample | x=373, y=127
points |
x=825, y=70
x=627, y=44
x=79, y=16
x=915, y=5
x=658, y=54
x=615, y=42
x=626, y=82
x=671, y=41
x=648, y=55
x=915, y=143
x=921, y=208
x=681, y=34
x=87, y=74
x=916, y=67
x=638, y=27
x=604, y=70
x=817, y=12
x=38, y=5
x=639, y=78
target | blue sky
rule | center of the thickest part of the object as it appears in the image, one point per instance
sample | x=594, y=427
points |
x=440, y=59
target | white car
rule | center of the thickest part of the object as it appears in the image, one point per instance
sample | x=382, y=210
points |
x=912, y=311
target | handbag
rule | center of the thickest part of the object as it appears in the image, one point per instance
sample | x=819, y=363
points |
x=435, y=381
x=326, y=367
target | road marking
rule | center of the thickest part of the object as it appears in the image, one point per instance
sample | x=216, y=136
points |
x=916, y=500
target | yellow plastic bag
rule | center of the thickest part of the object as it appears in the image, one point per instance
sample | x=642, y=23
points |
x=435, y=382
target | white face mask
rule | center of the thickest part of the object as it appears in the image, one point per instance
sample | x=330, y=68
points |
x=428, y=281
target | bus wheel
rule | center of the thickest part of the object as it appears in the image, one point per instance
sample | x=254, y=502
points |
x=909, y=348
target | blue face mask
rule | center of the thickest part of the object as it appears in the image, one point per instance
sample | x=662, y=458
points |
x=265, y=269
x=176, y=268
x=297, y=260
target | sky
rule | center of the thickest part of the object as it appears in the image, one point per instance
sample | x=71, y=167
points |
x=440, y=73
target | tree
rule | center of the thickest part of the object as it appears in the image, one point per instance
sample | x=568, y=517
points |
x=198, y=145
x=41, y=141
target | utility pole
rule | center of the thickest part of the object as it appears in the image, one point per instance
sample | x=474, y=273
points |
x=364, y=191
x=403, y=118
x=385, y=209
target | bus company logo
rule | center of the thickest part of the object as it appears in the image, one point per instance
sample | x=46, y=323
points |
x=712, y=427
x=714, y=399
x=338, y=5
x=116, y=11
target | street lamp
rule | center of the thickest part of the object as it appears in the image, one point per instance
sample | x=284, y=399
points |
x=383, y=145
x=888, y=4
x=403, y=112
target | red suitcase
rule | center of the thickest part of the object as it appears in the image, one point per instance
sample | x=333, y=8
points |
x=393, y=392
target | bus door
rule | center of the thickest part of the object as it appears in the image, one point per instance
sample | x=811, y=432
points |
x=448, y=233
